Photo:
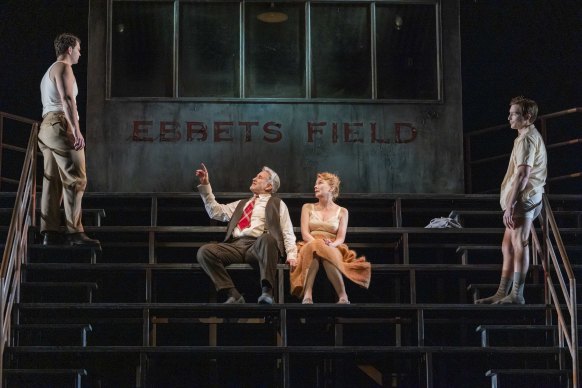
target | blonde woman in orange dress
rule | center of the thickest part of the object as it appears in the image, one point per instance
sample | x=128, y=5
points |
x=323, y=229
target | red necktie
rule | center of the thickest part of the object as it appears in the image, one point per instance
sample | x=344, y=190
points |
x=245, y=220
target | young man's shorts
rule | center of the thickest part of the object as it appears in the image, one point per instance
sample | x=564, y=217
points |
x=530, y=208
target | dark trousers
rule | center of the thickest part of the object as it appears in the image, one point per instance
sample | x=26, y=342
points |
x=263, y=251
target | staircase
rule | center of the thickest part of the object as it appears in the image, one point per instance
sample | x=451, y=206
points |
x=141, y=312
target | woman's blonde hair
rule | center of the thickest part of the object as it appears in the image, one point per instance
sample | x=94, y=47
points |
x=333, y=181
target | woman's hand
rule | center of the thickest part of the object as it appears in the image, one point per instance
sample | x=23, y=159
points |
x=329, y=242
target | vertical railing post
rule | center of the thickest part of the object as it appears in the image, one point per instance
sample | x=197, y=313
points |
x=544, y=133
x=1, y=149
x=2, y=337
x=545, y=249
x=34, y=160
x=544, y=129
x=468, y=170
x=397, y=212
x=574, y=335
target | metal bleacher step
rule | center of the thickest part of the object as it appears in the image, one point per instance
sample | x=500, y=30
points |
x=346, y=351
x=359, y=354
x=61, y=290
x=487, y=330
x=493, y=252
x=63, y=247
x=151, y=315
x=533, y=292
x=574, y=216
x=95, y=216
x=497, y=247
x=53, y=331
x=450, y=312
x=43, y=377
x=63, y=253
x=547, y=378
x=136, y=271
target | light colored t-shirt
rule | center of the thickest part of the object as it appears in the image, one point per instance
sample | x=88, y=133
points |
x=528, y=149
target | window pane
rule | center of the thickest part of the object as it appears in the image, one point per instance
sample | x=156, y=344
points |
x=407, y=51
x=142, y=39
x=275, y=50
x=209, y=50
x=341, y=51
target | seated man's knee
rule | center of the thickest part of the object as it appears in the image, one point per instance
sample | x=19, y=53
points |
x=265, y=249
x=203, y=254
x=266, y=239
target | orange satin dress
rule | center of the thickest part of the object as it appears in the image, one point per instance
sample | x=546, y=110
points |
x=357, y=269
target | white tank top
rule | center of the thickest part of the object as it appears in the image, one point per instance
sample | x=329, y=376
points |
x=49, y=94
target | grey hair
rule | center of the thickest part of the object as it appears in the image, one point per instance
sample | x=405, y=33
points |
x=273, y=179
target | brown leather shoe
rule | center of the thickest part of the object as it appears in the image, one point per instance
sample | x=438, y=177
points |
x=52, y=238
x=81, y=239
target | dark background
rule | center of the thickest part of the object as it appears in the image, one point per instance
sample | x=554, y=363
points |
x=27, y=31
x=509, y=48
x=519, y=47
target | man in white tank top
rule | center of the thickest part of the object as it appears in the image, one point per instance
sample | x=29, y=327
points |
x=62, y=146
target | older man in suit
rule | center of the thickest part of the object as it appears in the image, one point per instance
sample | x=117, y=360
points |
x=259, y=232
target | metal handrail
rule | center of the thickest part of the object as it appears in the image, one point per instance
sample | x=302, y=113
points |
x=543, y=126
x=18, y=118
x=11, y=147
x=15, y=250
x=550, y=261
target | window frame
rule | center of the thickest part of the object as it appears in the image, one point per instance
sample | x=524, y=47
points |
x=307, y=55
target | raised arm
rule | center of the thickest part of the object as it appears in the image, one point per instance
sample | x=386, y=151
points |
x=202, y=174
x=215, y=210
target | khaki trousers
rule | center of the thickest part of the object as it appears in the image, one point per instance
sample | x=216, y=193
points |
x=64, y=177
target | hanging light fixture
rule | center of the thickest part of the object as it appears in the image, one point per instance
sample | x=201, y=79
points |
x=398, y=22
x=272, y=15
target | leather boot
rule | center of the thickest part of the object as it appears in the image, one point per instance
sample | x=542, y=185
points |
x=81, y=239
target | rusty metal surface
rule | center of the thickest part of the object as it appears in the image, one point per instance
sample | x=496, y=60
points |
x=155, y=145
